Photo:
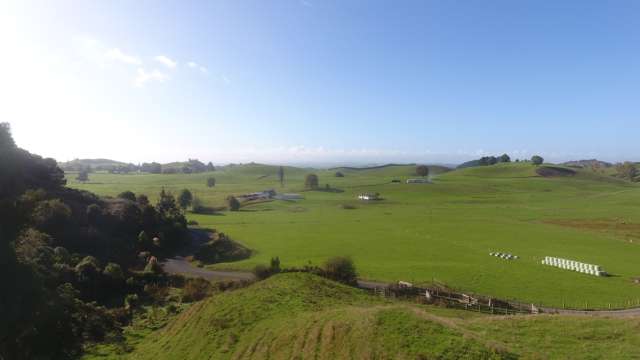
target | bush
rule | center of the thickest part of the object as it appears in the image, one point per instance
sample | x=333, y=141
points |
x=233, y=203
x=537, y=160
x=339, y=174
x=348, y=206
x=261, y=272
x=341, y=269
x=113, y=271
x=196, y=290
x=422, y=170
x=211, y=182
x=311, y=181
x=127, y=195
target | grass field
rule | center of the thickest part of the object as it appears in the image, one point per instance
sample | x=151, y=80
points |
x=441, y=231
x=302, y=316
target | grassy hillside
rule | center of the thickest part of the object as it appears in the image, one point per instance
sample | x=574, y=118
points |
x=442, y=231
x=94, y=163
x=304, y=316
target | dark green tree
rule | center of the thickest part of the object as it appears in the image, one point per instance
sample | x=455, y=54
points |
x=281, y=175
x=127, y=195
x=341, y=269
x=311, y=181
x=422, y=170
x=185, y=198
x=233, y=203
x=504, y=158
x=83, y=176
x=537, y=160
x=211, y=181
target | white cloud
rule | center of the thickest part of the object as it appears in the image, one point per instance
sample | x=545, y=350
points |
x=116, y=54
x=144, y=77
x=166, y=61
x=195, y=65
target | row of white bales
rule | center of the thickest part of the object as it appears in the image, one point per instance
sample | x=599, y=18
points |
x=578, y=266
x=561, y=263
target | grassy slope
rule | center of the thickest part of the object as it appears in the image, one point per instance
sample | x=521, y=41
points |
x=442, y=231
x=303, y=316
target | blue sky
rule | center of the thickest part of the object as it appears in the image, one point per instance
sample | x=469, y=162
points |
x=322, y=82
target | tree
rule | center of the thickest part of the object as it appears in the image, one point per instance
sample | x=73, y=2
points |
x=210, y=167
x=422, y=170
x=144, y=241
x=339, y=174
x=504, y=158
x=341, y=269
x=113, y=272
x=627, y=170
x=166, y=202
x=211, y=181
x=142, y=200
x=275, y=265
x=93, y=214
x=281, y=175
x=83, y=176
x=311, y=181
x=185, y=198
x=537, y=160
x=127, y=195
x=233, y=203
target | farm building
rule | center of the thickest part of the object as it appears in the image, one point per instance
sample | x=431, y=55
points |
x=369, y=196
x=418, y=181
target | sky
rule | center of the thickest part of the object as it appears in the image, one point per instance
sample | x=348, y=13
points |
x=322, y=82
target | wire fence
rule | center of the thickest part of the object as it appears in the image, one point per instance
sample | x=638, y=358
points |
x=489, y=305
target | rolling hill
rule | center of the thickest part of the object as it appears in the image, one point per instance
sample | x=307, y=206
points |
x=302, y=316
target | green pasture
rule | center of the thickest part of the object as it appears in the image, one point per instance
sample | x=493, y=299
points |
x=424, y=232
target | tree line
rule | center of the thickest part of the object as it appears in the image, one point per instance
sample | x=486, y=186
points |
x=66, y=255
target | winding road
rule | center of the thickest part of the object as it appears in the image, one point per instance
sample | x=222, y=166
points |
x=181, y=266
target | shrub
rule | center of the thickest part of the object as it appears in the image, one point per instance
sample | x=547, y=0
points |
x=275, y=265
x=311, y=181
x=261, y=272
x=127, y=195
x=113, y=271
x=339, y=174
x=196, y=289
x=348, y=206
x=537, y=160
x=211, y=182
x=185, y=199
x=233, y=203
x=143, y=200
x=131, y=302
x=422, y=170
x=341, y=269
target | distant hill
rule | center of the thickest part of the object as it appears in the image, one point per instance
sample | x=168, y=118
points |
x=588, y=163
x=369, y=167
x=95, y=164
x=392, y=169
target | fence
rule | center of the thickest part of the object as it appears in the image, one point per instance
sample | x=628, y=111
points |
x=451, y=299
